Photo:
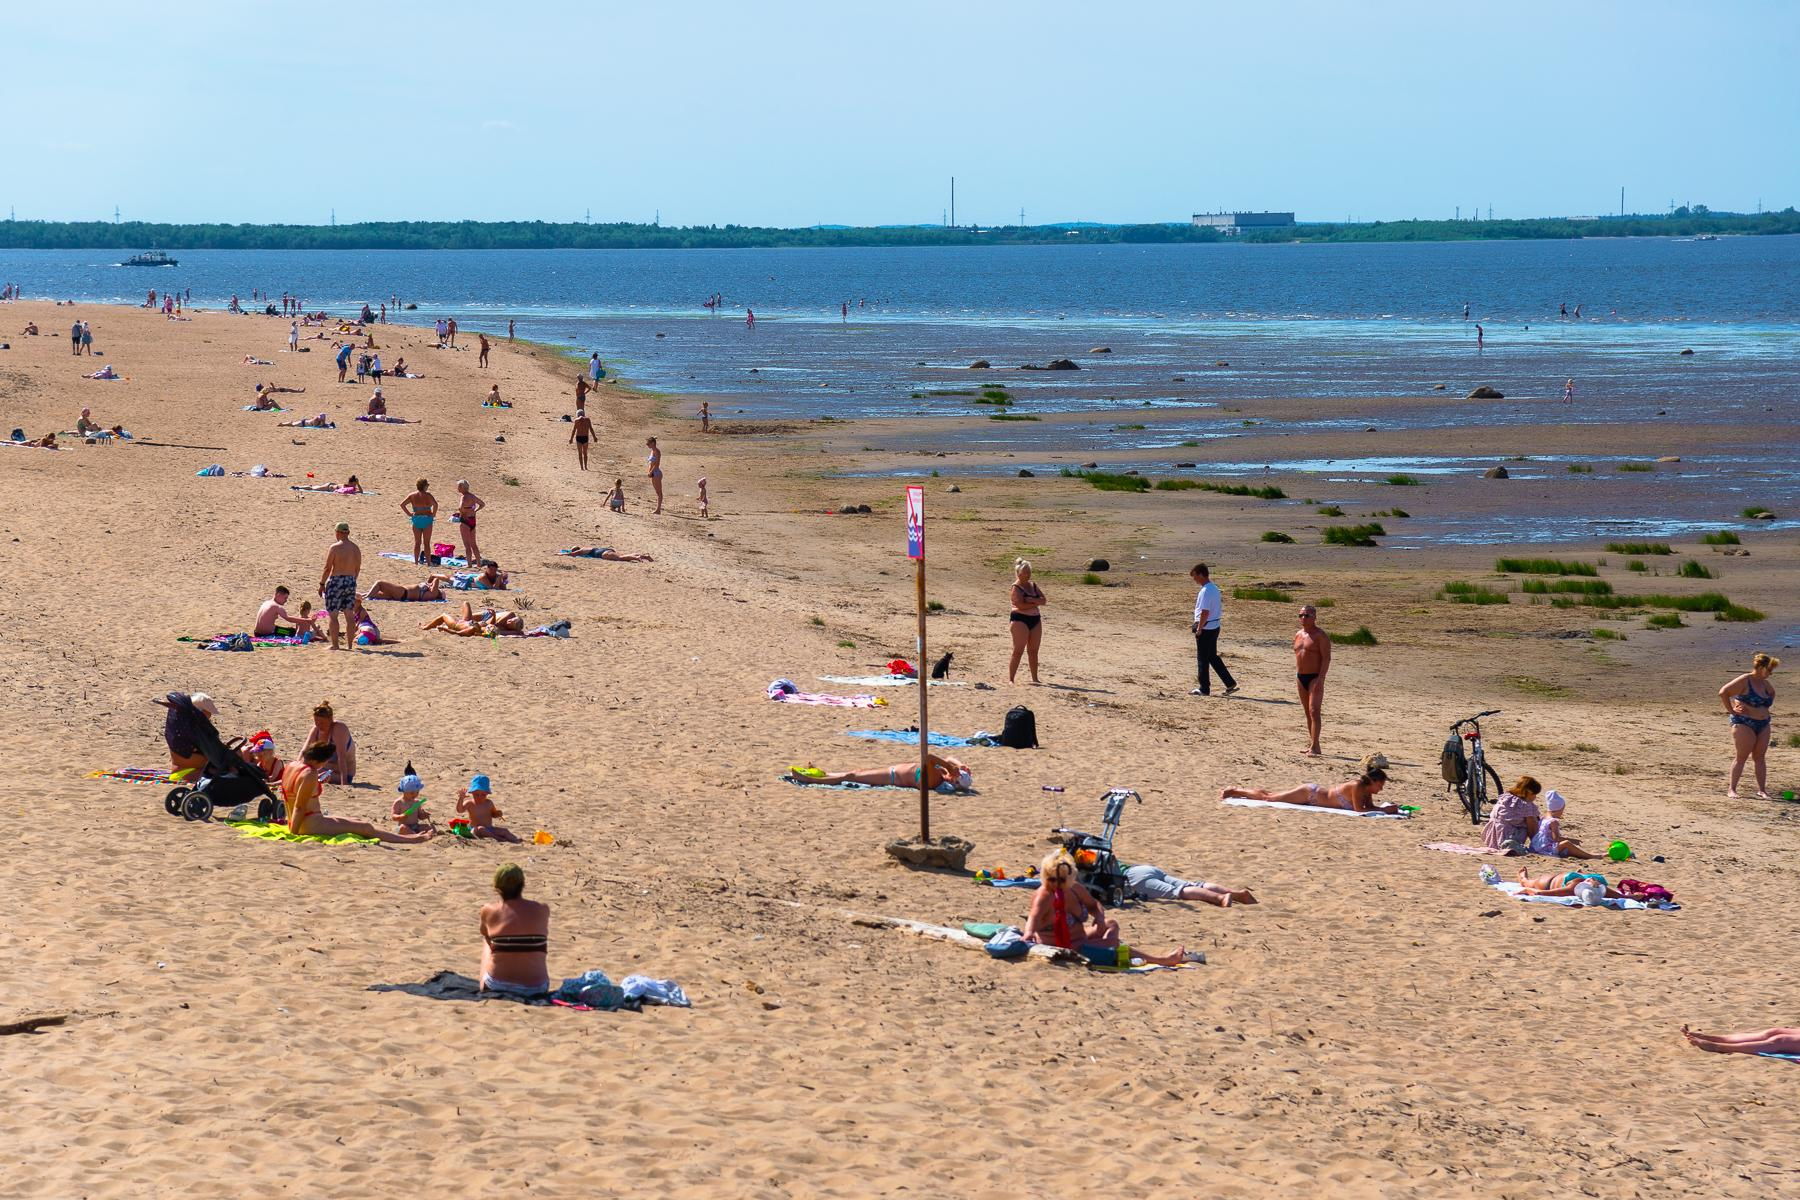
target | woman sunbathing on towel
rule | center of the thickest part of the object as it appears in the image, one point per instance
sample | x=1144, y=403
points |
x=1065, y=914
x=350, y=487
x=1766, y=1041
x=1355, y=795
x=381, y=589
x=606, y=552
x=318, y=422
x=944, y=770
x=300, y=792
x=1562, y=883
x=270, y=389
x=484, y=623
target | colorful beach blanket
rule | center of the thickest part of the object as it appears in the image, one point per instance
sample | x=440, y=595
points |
x=445, y=561
x=1242, y=802
x=136, y=775
x=212, y=643
x=942, y=789
x=788, y=692
x=910, y=737
x=279, y=833
x=1513, y=890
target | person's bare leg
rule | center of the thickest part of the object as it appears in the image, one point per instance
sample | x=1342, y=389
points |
x=1299, y=795
x=1212, y=893
x=1315, y=715
x=498, y=833
x=323, y=826
x=1174, y=959
x=333, y=616
x=1018, y=651
x=1032, y=641
x=656, y=481
x=1766, y=1041
x=1743, y=741
x=1759, y=753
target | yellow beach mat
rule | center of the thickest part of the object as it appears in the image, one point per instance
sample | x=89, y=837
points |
x=279, y=833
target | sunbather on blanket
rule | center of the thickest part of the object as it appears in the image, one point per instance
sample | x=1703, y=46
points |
x=381, y=589
x=1562, y=883
x=1065, y=914
x=478, y=623
x=943, y=770
x=300, y=792
x=1145, y=882
x=489, y=579
x=606, y=552
x=350, y=487
x=319, y=422
x=1763, y=1041
x=1355, y=795
x=270, y=389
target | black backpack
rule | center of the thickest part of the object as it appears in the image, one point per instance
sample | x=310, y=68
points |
x=1453, y=763
x=1020, y=730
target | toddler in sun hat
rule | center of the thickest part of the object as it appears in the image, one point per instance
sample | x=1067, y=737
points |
x=409, y=807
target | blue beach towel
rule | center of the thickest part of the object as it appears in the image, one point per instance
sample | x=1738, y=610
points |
x=910, y=737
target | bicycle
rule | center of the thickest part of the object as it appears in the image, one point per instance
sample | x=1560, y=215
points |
x=1468, y=774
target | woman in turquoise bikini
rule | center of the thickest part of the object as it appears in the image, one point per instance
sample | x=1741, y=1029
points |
x=1747, y=700
x=421, y=509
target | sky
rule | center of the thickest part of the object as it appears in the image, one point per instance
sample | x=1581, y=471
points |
x=857, y=113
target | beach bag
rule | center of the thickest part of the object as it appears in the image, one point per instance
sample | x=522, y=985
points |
x=1453, y=763
x=1637, y=889
x=1020, y=730
x=1008, y=943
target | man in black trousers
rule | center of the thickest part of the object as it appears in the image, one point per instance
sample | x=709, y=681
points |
x=1207, y=607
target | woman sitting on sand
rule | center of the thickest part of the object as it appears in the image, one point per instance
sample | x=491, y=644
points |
x=1765, y=1041
x=300, y=792
x=381, y=589
x=945, y=771
x=515, y=935
x=1066, y=915
x=334, y=735
x=1355, y=795
x=1747, y=700
x=483, y=623
x=1515, y=819
x=378, y=404
x=606, y=552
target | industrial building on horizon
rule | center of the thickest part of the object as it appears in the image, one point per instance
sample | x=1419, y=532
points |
x=1233, y=223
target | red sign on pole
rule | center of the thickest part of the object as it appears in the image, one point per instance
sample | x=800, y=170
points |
x=915, y=522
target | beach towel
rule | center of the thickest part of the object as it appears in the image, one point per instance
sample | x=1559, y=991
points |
x=279, y=833
x=942, y=789
x=1459, y=848
x=884, y=681
x=1513, y=890
x=450, y=985
x=134, y=775
x=384, y=420
x=785, y=691
x=910, y=737
x=208, y=643
x=1242, y=802
x=444, y=560
x=1772, y=1054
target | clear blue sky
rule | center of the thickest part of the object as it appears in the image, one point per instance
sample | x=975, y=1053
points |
x=858, y=113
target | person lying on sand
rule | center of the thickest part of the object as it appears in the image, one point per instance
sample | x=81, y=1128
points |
x=334, y=735
x=47, y=442
x=105, y=372
x=1562, y=884
x=381, y=589
x=606, y=552
x=250, y=360
x=1764, y=1041
x=350, y=487
x=270, y=389
x=1355, y=795
x=1065, y=914
x=300, y=792
x=944, y=770
x=409, y=807
x=318, y=422
x=514, y=937
x=475, y=803
x=1145, y=882
x=483, y=623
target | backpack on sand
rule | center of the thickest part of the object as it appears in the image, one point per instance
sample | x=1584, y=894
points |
x=1020, y=730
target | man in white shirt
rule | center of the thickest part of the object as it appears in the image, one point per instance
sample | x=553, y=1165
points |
x=1207, y=607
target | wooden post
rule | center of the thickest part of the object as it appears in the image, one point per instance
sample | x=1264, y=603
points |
x=924, y=717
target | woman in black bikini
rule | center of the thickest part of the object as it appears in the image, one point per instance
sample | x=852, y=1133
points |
x=1026, y=623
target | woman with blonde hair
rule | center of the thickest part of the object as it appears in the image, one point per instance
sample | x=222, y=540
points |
x=1065, y=914
x=1025, y=621
x=1353, y=795
x=1747, y=700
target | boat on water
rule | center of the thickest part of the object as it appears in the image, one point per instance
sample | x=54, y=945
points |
x=150, y=258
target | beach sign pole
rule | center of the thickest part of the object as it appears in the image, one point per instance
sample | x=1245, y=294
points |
x=915, y=550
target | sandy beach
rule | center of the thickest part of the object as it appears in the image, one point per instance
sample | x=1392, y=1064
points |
x=1380, y=1024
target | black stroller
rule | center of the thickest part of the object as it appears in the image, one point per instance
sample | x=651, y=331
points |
x=227, y=781
x=1096, y=866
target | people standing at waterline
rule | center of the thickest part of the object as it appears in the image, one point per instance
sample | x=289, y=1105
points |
x=655, y=472
x=1747, y=700
x=1025, y=621
x=1312, y=660
x=1207, y=609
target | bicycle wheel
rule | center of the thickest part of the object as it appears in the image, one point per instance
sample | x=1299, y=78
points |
x=1475, y=792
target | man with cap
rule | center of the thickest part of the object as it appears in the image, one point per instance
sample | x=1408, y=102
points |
x=337, y=581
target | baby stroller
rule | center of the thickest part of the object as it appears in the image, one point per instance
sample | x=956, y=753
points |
x=227, y=781
x=1097, y=868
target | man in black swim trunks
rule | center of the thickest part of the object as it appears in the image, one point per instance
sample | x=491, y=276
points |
x=1312, y=659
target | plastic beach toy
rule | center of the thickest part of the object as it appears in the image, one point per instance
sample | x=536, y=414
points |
x=1618, y=852
x=541, y=838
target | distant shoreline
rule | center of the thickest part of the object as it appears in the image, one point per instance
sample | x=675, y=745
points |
x=537, y=235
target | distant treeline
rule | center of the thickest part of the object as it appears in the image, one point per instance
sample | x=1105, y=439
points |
x=540, y=235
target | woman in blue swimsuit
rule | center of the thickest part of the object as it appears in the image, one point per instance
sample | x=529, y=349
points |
x=1747, y=700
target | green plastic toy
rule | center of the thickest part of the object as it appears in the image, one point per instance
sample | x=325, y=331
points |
x=1618, y=852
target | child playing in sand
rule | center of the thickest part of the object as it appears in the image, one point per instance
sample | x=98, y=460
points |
x=409, y=808
x=1549, y=839
x=615, y=499
x=475, y=803
x=703, y=509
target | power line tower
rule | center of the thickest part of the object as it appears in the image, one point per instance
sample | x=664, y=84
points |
x=334, y=218
x=115, y=214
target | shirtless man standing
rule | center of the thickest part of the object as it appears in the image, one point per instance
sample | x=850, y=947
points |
x=421, y=510
x=337, y=581
x=1312, y=660
x=579, y=435
x=466, y=508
